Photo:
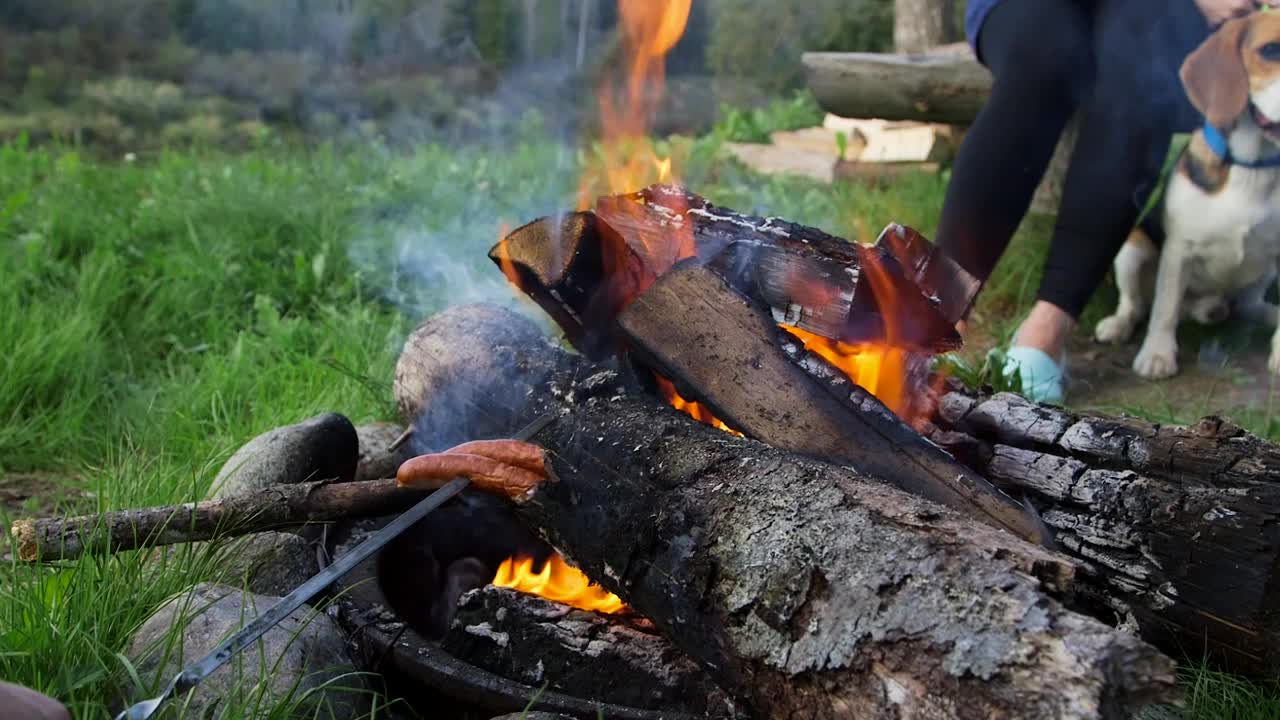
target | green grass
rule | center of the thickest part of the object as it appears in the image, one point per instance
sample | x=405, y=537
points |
x=155, y=315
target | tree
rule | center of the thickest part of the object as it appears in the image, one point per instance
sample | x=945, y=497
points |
x=919, y=25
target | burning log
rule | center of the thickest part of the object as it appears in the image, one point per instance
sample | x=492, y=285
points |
x=1176, y=528
x=694, y=329
x=577, y=651
x=584, y=268
x=804, y=587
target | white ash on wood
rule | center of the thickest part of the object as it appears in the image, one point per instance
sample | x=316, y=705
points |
x=804, y=587
x=1177, y=528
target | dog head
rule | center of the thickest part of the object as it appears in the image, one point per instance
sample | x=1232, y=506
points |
x=1233, y=78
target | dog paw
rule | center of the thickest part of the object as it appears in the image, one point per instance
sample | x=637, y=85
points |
x=1157, y=359
x=1114, y=329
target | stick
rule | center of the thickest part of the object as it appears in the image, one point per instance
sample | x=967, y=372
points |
x=278, y=506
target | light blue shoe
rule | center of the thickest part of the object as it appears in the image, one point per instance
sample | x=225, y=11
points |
x=1042, y=377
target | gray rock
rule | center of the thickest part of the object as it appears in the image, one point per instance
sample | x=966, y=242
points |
x=17, y=701
x=271, y=563
x=377, y=459
x=323, y=447
x=301, y=662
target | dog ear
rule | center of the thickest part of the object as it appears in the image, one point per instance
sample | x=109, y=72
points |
x=1215, y=77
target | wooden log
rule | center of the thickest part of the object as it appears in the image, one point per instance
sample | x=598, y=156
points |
x=926, y=87
x=51, y=539
x=722, y=351
x=584, y=268
x=621, y=659
x=806, y=589
x=1177, y=529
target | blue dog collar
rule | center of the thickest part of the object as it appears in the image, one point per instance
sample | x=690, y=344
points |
x=1217, y=142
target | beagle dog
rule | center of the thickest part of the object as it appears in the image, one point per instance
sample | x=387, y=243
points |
x=1221, y=210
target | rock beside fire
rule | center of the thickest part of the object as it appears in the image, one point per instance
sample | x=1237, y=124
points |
x=322, y=447
x=271, y=563
x=543, y=643
x=377, y=459
x=301, y=661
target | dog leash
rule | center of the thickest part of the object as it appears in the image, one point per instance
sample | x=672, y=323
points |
x=194, y=674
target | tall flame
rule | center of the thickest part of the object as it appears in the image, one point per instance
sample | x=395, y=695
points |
x=624, y=161
x=556, y=580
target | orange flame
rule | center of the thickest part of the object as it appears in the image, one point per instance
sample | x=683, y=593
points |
x=559, y=581
x=696, y=410
x=627, y=160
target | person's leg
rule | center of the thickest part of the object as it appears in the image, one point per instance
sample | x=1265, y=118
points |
x=1040, y=56
x=1138, y=103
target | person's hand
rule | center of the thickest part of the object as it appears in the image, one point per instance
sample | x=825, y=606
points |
x=1220, y=11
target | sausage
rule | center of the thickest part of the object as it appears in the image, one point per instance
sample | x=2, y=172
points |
x=428, y=472
x=509, y=452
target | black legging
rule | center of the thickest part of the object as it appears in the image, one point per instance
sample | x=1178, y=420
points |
x=1116, y=61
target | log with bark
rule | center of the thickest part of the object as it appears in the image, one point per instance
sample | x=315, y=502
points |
x=941, y=88
x=1175, y=528
x=619, y=658
x=272, y=508
x=808, y=588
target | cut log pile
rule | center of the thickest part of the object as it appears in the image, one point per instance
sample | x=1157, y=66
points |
x=945, y=86
x=806, y=587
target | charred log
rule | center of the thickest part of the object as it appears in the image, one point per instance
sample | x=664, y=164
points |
x=620, y=658
x=698, y=332
x=807, y=588
x=584, y=268
x=1175, y=528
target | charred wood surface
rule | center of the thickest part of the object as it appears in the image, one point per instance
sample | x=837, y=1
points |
x=1176, y=528
x=810, y=590
x=621, y=659
x=719, y=349
x=805, y=588
x=585, y=267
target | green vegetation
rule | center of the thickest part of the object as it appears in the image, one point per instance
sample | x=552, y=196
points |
x=158, y=313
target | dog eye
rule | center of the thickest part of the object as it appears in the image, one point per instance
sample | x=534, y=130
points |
x=1270, y=51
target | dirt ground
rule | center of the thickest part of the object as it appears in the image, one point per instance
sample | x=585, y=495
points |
x=1222, y=371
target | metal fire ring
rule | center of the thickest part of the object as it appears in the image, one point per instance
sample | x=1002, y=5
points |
x=389, y=646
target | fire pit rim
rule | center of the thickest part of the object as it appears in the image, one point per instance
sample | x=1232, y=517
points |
x=378, y=632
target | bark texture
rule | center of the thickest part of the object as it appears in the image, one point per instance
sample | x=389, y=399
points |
x=926, y=88
x=919, y=25
x=809, y=590
x=274, y=507
x=1177, y=529
x=539, y=642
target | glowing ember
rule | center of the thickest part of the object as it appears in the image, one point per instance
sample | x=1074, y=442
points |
x=557, y=580
x=880, y=369
x=695, y=410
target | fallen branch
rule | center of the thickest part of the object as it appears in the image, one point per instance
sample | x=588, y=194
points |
x=267, y=509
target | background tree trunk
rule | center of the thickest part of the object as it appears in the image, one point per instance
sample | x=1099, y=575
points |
x=919, y=25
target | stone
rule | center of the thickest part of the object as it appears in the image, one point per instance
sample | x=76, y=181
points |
x=377, y=459
x=271, y=563
x=17, y=701
x=301, y=663
x=324, y=447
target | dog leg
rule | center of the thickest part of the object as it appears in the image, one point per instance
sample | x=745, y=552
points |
x=1252, y=303
x=1158, y=357
x=1134, y=261
x=1208, y=309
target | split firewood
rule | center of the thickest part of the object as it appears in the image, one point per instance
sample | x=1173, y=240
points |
x=1176, y=529
x=806, y=588
x=272, y=508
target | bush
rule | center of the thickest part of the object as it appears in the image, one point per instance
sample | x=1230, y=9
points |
x=136, y=101
x=779, y=31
